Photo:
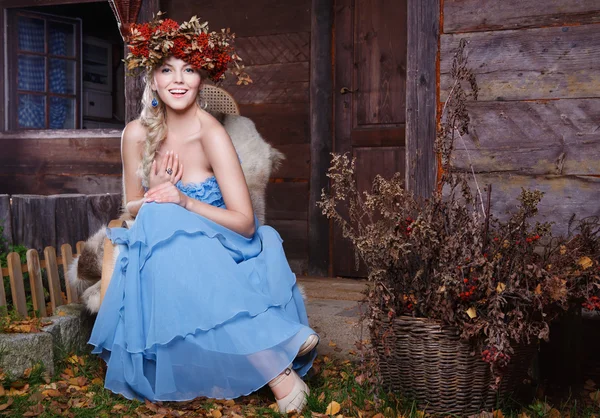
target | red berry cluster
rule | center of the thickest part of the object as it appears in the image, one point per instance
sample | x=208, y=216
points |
x=470, y=289
x=592, y=304
x=492, y=355
x=532, y=238
x=406, y=225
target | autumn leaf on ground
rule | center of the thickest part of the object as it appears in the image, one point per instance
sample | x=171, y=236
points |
x=500, y=288
x=34, y=411
x=471, y=312
x=7, y=404
x=333, y=408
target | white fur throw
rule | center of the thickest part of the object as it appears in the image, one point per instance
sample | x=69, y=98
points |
x=258, y=160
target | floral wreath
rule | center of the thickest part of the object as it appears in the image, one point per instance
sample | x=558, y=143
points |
x=151, y=43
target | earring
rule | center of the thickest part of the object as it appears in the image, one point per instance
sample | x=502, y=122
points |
x=154, y=102
x=203, y=103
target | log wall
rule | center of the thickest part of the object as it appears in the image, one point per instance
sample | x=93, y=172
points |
x=537, y=121
x=60, y=161
x=273, y=38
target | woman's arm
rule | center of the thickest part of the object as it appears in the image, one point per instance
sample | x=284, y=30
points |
x=132, y=142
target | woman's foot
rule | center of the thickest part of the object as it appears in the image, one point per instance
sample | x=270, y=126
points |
x=308, y=345
x=290, y=391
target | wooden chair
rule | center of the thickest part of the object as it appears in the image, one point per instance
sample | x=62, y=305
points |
x=217, y=101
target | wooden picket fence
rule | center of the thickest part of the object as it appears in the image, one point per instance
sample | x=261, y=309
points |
x=34, y=265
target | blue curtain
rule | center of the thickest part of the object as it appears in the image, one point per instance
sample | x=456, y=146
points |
x=31, y=75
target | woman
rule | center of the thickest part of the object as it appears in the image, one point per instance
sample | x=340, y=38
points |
x=202, y=301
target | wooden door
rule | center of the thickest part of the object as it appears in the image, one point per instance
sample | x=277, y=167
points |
x=369, y=97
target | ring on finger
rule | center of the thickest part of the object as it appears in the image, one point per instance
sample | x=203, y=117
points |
x=169, y=171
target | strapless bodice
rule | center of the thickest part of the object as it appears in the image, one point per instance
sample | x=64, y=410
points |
x=206, y=191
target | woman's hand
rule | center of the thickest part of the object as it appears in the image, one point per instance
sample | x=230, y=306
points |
x=170, y=170
x=166, y=193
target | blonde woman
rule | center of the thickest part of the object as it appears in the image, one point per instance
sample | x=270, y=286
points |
x=202, y=301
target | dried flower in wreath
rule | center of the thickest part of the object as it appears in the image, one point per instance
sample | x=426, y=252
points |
x=213, y=52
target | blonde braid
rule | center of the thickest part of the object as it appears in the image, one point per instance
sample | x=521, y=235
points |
x=155, y=122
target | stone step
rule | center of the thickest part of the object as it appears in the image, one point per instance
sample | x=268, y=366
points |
x=334, y=309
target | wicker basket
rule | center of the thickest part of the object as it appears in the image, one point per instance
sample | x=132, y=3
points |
x=429, y=363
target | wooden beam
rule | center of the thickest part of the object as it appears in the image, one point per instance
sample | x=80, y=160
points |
x=477, y=15
x=321, y=114
x=134, y=86
x=422, y=95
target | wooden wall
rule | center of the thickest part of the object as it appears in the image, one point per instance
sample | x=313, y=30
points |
x=60, y=161
x=273, y=38
x=537, y=121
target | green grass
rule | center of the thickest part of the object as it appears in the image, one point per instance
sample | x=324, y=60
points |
x=332, y=381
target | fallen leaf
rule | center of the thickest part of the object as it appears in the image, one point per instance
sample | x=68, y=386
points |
x=498, y=414
x=554, y=413
x=53, y=393
x=34, y=411
x=332, y=344
x=585, y=262
x=538, y=290
x=274, y=407
x=216, y=413
x=97, y=381
x=333, y=408
x=500, y=288
x=472, y=312
x=8, y=403
x=36, y=397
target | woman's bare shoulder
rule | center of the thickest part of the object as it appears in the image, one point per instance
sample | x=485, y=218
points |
x=134, y=132
x=213, y=130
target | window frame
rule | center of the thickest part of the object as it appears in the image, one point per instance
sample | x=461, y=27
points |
x=11, y=75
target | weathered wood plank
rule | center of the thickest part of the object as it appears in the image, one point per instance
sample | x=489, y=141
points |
x=67, y=258
x=321, y=128
x=101, y=209
x=52, y=184
x=273, y=83
x=5, y=220
x=482, y=15
x=280, y=123
x=287, y=201
x=294, y=235
x=564, y=196
x=529, y=64
x=380, y=66
x=533, y=137
x=35, y=282
x=297, y=162
x=53, y=278
x=2, y=293
x=274, y=49
x=59, y=156
x=421, y=95
x=33, y=221
x=17, y=288
x=264, y=17
x=71, y=218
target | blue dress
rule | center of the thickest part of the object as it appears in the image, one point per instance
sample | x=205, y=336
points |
x=195, y=309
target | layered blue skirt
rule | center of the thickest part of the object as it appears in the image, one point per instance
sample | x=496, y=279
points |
x=195, y=309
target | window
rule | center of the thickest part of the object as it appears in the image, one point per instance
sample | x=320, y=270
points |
x=44, y=71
